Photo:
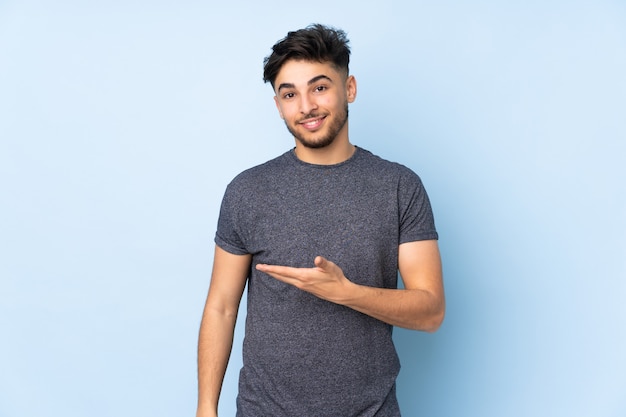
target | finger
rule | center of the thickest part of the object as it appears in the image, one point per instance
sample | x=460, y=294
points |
x=274, y=270
x=323, y=263
x=320, y=262
x=269, y=268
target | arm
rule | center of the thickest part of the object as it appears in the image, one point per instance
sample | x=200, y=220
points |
x=228, y=281
x=420, y=305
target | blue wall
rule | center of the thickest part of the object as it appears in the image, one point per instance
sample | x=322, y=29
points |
x=122, y=122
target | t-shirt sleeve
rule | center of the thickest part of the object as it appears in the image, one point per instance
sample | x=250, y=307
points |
x=416, y=216
x=227, y=236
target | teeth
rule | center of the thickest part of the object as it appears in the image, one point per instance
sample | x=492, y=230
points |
x=312, y=123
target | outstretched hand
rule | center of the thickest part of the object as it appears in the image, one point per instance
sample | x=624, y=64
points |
x=326, y=280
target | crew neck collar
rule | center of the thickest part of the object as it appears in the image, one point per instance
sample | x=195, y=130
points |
x=352, y=157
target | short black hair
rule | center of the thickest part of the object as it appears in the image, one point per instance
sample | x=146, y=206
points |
x=314, y=43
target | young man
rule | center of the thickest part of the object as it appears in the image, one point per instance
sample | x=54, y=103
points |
x=319, y=235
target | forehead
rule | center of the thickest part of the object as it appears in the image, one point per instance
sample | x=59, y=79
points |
x=300, y=72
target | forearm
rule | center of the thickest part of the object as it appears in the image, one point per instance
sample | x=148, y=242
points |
x=420, y=306
x=415, y=309
x=214, y=347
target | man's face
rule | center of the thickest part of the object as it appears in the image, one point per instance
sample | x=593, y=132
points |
x=312, y=98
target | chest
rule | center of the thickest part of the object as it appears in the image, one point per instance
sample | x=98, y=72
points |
x=298, y=219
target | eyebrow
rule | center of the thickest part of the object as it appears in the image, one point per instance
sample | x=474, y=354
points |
x=311, y=81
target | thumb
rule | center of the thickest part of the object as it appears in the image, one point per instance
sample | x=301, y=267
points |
x=321, y=262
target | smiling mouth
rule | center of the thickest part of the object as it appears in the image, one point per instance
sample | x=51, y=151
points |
x=312, y=124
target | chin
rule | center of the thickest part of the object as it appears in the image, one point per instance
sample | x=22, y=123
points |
x=322, y=139
x=316, y=144
x=312, y=142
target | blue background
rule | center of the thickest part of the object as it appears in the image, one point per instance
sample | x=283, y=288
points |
x=121, y=123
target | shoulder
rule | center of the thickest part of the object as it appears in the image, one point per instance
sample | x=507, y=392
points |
x=258, y=175
x=388, y=169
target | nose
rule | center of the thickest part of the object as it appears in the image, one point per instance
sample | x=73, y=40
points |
x=307, y=104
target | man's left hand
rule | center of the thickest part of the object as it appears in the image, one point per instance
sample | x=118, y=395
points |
x=326, y=280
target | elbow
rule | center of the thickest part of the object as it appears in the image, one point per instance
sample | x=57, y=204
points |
x=432, y=322
x=438, y=313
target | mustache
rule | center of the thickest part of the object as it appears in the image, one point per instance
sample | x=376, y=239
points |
x=311, y=116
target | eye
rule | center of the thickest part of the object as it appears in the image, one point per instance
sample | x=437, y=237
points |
x=320, y=88
x=287, y=96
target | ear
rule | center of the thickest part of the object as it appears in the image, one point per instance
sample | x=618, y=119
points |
x=351, y=88
x=280, y=112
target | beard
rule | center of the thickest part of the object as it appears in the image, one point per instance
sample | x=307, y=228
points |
x=333, y=130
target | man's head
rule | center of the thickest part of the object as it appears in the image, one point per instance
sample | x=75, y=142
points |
x=308, y=71
x=315, y=43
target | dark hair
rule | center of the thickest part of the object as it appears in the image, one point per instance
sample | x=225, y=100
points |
x=314, y=43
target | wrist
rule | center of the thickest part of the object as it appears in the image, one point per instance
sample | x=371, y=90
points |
x=349, y=292
x=206, y=411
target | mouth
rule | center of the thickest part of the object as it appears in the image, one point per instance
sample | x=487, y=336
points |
x=312, y=123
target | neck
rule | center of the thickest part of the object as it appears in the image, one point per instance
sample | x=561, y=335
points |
x=339, y=151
